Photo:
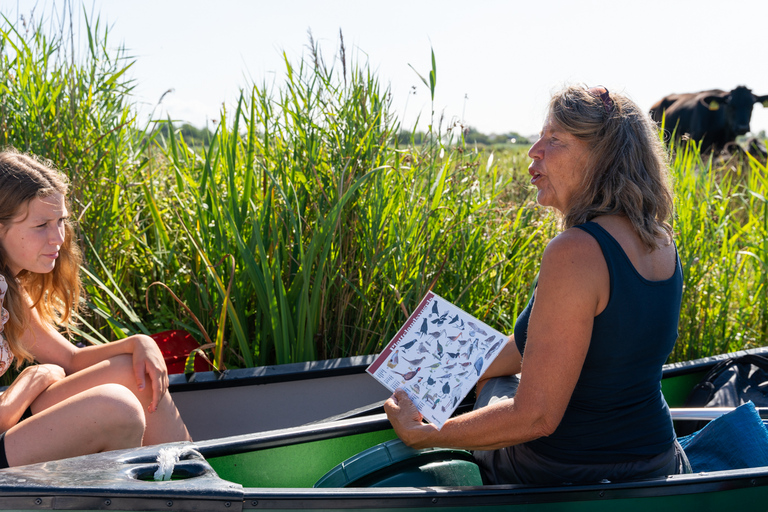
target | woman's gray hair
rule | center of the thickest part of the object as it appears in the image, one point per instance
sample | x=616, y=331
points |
x=627, y=171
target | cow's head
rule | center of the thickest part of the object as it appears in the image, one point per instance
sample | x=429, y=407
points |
x=737, y=106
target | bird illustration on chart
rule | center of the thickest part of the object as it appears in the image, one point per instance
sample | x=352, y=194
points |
x=415, y=362
x=476, y=329
x=408, y=375
x=454, y=338
x=441, y=319
x=479, y=365
x=493, y=348
x=424, y=328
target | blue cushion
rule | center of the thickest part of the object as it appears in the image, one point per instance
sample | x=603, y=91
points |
x=735, y=440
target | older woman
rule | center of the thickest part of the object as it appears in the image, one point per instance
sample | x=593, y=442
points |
x=590, y=345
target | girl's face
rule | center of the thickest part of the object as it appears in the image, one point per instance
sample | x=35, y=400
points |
x=31, y=241
x=558, y=166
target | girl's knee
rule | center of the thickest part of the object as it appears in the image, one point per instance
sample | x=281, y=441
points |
x=121, y=412
x=122, y=372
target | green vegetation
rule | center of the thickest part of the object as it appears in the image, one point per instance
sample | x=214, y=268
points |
x=336, y=218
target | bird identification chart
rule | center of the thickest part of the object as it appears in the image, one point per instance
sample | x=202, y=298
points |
x=437, y=357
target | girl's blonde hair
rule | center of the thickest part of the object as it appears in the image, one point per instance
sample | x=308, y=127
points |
x=55, y=295
x=627, y=172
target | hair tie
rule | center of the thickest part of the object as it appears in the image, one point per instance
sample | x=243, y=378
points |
x=602, y=93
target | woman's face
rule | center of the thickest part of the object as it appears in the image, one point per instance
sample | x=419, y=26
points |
x=558, y=166
x=31, y=241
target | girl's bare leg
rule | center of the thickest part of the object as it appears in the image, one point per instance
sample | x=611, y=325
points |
x=162, y=426
x=104, y=417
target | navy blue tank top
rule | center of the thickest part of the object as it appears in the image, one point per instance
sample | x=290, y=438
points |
x=617, y=412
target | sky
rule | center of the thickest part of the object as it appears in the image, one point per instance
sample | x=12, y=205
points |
x=497, y=61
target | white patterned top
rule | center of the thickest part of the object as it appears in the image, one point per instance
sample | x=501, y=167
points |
x=6, y=356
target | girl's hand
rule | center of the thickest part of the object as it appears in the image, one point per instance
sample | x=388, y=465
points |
x=148, y=362
x=23, y=392
x=407, y=420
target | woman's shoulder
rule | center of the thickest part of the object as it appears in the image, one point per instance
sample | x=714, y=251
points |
x=571, y=251
x=573, y=243
x=573, y=265
x=573, y=269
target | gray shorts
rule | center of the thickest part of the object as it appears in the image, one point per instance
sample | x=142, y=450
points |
x=520, y=464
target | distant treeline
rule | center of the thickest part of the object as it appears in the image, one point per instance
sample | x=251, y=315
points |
x=471, y=136
x=192, y=135
x=196, y=137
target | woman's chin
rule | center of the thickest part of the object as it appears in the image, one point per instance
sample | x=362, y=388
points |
x=543, y=199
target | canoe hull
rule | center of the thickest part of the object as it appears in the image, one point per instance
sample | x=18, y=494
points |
x=113, y=481
x=244, y=401
x=275, y=469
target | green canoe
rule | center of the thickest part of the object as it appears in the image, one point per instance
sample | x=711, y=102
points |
x=300, y=467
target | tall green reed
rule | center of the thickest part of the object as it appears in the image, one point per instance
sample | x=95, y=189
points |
x=337, y=231
x=720, y=223
x=70, y=103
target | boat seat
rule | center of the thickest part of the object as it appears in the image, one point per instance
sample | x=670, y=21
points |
x=393, y=464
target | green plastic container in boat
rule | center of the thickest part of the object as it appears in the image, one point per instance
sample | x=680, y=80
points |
x=393, y=464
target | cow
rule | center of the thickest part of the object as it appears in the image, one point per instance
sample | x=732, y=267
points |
x=713, y=117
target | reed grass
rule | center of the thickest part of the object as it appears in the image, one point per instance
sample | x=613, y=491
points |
x=71, y=104
x=336, y=229
x=720, y=223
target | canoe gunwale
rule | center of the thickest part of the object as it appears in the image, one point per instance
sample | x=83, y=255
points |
x=107, y=501
x=508, y=495
x=706, y=363
x=357, y=364
x=269, y=374
x=294, y=435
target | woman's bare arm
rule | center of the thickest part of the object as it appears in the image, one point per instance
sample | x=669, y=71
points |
x=572, y=284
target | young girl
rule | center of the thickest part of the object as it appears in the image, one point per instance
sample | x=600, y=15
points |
x=75, y=401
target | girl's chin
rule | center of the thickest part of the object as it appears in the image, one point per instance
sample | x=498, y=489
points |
x=44, y=269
